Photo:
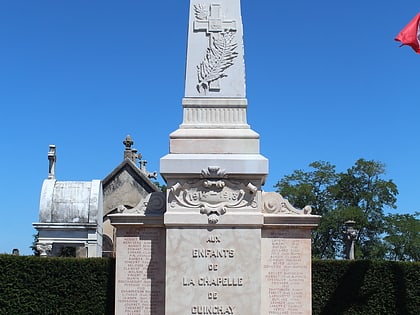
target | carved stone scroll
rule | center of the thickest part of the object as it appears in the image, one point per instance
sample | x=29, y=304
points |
x=275, y=203
x=153, y=204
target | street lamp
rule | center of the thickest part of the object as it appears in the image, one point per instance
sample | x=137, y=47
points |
x=350, y=234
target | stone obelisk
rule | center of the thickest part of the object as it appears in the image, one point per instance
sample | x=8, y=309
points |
x=214, y=131
x=214, y=174
x=230, y=247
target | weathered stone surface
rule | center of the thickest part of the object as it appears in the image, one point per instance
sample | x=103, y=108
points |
x=286, y=271
x=140, y=270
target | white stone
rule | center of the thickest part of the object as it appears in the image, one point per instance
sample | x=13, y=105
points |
x=213, y=268
x=286, y=271
x=230, y=247
x=140, y=270
x=70, y=214
x=251, y=165
x=221, y=113
x=210, y=21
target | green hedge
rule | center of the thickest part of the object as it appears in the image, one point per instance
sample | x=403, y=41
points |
x=365, y=287
x=33, y=285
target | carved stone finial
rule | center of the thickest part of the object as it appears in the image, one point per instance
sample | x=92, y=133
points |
x=128, y=142
x=129, y=152
x=51, y=159
x=133, y=155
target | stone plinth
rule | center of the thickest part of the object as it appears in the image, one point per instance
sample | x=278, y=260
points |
x=286, y=265
x=212, y=270
x=140, y=264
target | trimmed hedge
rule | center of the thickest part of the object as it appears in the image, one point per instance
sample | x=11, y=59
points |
x=33, y=285
x=365, y=287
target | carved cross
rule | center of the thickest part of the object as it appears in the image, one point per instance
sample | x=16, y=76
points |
x=213, y=25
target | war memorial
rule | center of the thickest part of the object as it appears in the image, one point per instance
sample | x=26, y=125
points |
x=216, y=243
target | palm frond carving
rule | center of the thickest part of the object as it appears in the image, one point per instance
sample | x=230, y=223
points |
x=219, y=57
x=201, y=12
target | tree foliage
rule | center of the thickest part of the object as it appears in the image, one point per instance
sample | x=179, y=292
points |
x=361, y=194
x=315, y=188
x=403, y=237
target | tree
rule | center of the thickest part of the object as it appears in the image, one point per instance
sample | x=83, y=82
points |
x=315, y=188
x=33, y=246
x=362, y=192
x=402, y=237
x=359, y=194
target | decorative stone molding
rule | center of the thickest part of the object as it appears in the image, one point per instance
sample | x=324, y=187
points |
x=153, y=204
x=274, y=203
x=213, y=172
x=210, y=116
x=213, y=195
x=44, y=249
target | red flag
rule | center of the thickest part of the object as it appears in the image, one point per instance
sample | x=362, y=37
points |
x=410, y=34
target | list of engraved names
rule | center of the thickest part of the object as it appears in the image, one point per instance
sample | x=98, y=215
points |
x=285, y=273
x=141, y=274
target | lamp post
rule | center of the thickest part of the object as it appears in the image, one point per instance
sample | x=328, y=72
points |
x=350, y=234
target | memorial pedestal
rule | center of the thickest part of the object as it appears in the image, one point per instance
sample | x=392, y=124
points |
x=140, y=265
x=221, y=245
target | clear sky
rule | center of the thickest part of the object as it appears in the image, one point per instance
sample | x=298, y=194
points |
x=325, y=81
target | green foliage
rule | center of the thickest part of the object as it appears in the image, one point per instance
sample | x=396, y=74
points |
x=403, y=237
x=68, y=251
x=362, y=189
x=315, y=188
x=33, y=285
x=365, y=287
x=162, y=187
x=34, y=242
x=359, y=194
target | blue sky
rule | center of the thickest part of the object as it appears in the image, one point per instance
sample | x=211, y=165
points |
x=325, y=81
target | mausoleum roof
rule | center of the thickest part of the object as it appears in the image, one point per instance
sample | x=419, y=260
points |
x=70, y=202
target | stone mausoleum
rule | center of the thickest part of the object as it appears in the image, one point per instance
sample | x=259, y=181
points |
x=73, y=215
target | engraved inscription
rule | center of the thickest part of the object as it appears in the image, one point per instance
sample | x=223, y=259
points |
x=213, y=253
x=140, y=286
x=287, y=273
x=205, y=281
x=214, y=279
x=216, y=271
x=210, y=309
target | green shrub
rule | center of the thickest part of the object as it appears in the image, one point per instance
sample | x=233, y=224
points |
x=33, y=285
x=365, y=287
